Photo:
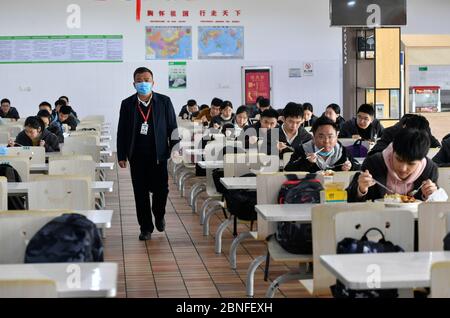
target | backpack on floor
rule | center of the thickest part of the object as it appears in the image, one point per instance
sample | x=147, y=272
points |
x=241, y=203
x=296, y=237
x=67, y=238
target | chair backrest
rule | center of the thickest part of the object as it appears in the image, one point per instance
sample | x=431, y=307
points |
x=21, y=164
x=440, y=279
x=28, y=288
x=443, y=180
x=13, y=129
x=75, y=148
x=4, y=137
x=239, y=164
x=17, y=228
x=344, y=177
x=35, y=154
x=84, y=133
x=324, y=238
x=72, y=167
x=86, y=139
x=60, y=192
x=434, y=224
x=71, y=157
x=93, y=118
x=3, y=194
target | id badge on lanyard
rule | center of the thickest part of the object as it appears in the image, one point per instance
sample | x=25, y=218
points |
x=145, y=126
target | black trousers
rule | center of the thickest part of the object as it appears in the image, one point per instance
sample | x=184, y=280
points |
x=149, y=176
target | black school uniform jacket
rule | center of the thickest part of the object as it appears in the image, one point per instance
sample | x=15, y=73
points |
x=378, y=169
x=162, y=118
x=350, y=128
x=51, y=141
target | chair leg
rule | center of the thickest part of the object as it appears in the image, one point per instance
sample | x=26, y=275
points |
x=292, y=275
x=251, y=274
x=233, y=249
x=183, y=180
x=219, y=234
x=266, y=268
x=234, y=226
x=210, y=213
x=195, y=197
x=194, y=189
x=207, y=207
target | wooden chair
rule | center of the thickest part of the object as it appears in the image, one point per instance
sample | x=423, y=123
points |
x=434, y=224
x=328, y=229
x=440, y=280
x=28, y=288
x=61, y=192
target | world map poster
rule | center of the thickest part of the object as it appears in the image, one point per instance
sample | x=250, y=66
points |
x=167, y=43
x=221, y=42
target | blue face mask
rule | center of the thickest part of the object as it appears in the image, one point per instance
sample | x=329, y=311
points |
x=326, y=154
x=143, y=88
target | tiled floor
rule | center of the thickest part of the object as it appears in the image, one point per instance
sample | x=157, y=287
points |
x=179, y=262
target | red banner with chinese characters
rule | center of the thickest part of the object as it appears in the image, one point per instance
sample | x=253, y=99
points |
x=257, y=83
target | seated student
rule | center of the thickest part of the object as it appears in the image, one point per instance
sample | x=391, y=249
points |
x=46, y=106
x=6, y=111
x=58, y=104
x=189, y=111
x=262, y=131
x=308, y=115
x=442, y=158
x=364, y=126
x=64, y=118
x=45, y=116
x=213, y=111
x=263, y=104
x=333, y=112
x=35, y=134
x=402, y=167
x=239, y=123
x=323, y=152
x=226, y=116
x=73, y=112
x=412, y=121
x=292, y=135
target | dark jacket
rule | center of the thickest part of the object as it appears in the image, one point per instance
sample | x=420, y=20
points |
x=340, y=121
x=56, y=129
x=163, y=119
x=220, y=121
x=442, y=158
x=350, y=128
x=12, y=113
x=310, y=122
x=388, y=137
x=51, y=141
x=302, y=137
x=267, y=146
x=299, y=162
x=378, y=169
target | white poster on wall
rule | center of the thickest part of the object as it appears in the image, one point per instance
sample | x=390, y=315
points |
x=308, y=69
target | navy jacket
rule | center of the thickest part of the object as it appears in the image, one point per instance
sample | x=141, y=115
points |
x=163, y=119
x=51, y=141
x=12, y=113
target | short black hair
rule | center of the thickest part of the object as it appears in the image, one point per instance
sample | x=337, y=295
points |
x=292, y=110
x=64, y=97
x=270, y=113
x=265, y=102
x=35, y=123
x=45, y=104
x=44, y=113
x=216, y=102
x=5, y=100
x=258, y=99
x=416, y=122
x=336, y=108
x=191, y=102
x=242, y=109
x=66, y=110
x=366, y=109
x=204, y=106
x=323, y=121
x=61, y=102
x=141, y=70
x=308, y=106
x=226, y=104
x=411, y=144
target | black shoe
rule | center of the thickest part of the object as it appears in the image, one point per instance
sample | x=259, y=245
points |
x=145, y=236
x=160, y=224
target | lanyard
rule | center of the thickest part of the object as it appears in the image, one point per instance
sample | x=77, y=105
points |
x=145, y=117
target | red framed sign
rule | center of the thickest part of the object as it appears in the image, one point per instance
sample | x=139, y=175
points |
x=256, y=81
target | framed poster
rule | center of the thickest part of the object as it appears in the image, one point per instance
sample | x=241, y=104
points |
x=256, y=81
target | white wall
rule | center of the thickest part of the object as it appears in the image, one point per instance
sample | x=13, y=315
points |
x=282, y=34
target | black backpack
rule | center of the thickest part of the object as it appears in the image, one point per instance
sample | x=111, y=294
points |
x=67, y=238
x=241, y=203
x=364, y=246
x=447, y=242
x=11, y=174
x=294, y=237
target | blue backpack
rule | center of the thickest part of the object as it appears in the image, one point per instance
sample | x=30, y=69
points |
x=67, y=238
